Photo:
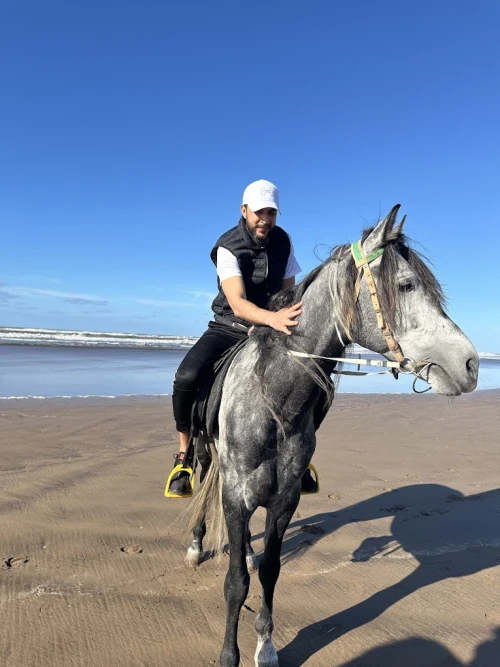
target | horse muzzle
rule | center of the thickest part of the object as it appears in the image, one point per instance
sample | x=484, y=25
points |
x=459, y=378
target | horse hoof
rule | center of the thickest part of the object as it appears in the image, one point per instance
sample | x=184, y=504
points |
x=193, y=557
x=253, y=563
x=265, y=655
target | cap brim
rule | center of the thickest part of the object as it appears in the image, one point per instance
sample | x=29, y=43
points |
x=259, y=205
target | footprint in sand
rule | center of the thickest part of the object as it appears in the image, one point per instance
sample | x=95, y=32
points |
x=314, y=530
x=15, y=561
x=307, y=543
x=132, y=549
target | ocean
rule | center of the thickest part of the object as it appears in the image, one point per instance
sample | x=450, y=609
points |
x=44, y=363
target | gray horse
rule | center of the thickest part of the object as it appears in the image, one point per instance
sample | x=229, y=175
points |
x=271, y=400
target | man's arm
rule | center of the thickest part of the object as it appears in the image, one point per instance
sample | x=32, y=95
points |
x=288, y=282
x=234, y=289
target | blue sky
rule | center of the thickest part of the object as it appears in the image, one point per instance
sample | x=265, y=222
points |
x=129, y=131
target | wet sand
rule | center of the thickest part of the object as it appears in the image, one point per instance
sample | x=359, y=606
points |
x=396, y=562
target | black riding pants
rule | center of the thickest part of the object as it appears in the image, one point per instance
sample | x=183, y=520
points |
x=196, y=365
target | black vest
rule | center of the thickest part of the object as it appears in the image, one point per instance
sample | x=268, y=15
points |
x=262, y=269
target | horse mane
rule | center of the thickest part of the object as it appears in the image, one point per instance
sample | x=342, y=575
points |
x=284, y=298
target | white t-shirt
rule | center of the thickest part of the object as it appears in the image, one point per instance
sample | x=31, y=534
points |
x=227, y=264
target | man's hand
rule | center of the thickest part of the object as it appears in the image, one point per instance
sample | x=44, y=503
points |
x=284, y=318
x=234, y=290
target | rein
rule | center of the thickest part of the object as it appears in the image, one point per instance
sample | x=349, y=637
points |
x=404, y=365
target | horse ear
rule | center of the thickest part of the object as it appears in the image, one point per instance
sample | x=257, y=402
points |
x=381, y=232
x=399, y=230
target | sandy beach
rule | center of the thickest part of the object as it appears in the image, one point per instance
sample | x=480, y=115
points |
x=396, y=562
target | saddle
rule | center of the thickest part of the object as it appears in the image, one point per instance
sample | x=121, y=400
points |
x=206, y=407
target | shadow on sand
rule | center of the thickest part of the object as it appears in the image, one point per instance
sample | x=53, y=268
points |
x=417, y=652
x=447, y=533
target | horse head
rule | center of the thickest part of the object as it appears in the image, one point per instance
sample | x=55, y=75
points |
x=412, y=305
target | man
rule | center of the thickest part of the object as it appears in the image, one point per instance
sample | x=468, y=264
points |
x=254, y=260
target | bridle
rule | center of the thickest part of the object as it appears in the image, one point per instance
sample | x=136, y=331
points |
x=404, y=365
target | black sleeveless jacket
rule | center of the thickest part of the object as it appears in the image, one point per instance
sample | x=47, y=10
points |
x=262, y=269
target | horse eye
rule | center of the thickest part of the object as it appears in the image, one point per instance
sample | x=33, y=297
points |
x=407, y=286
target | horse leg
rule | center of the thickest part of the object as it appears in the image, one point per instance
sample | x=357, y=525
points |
x=195, y=551
x=252, y=559
x=277, y=521
x=237, y=580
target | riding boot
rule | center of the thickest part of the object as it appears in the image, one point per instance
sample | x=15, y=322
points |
x=180, y=483
x=308, y=483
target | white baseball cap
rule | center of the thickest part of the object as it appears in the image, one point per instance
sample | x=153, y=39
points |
x=261, y=194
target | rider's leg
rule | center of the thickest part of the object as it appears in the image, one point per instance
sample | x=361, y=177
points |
x=190, y=374
x=184, y=441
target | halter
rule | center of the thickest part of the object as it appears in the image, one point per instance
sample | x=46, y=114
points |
x=405, y=365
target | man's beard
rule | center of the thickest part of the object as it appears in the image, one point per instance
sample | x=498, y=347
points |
x=260, y=241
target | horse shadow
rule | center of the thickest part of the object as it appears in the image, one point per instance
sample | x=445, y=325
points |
x=419, y=652
x=448, y=533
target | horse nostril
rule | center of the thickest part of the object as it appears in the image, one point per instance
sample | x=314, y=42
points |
x=471, y=366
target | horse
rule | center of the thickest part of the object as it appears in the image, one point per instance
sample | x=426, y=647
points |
x=378, y=293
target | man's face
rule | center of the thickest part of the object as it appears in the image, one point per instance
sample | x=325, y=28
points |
x=260, y=223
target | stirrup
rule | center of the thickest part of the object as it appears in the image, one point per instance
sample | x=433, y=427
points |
x=179, y=468
x=316, y=479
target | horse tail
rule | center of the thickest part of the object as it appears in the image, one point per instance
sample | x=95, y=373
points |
x=208, y=503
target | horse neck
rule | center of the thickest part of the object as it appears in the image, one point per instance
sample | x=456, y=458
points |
x=319, y=324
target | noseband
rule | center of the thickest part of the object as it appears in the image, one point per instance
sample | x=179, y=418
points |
x=405, y=365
